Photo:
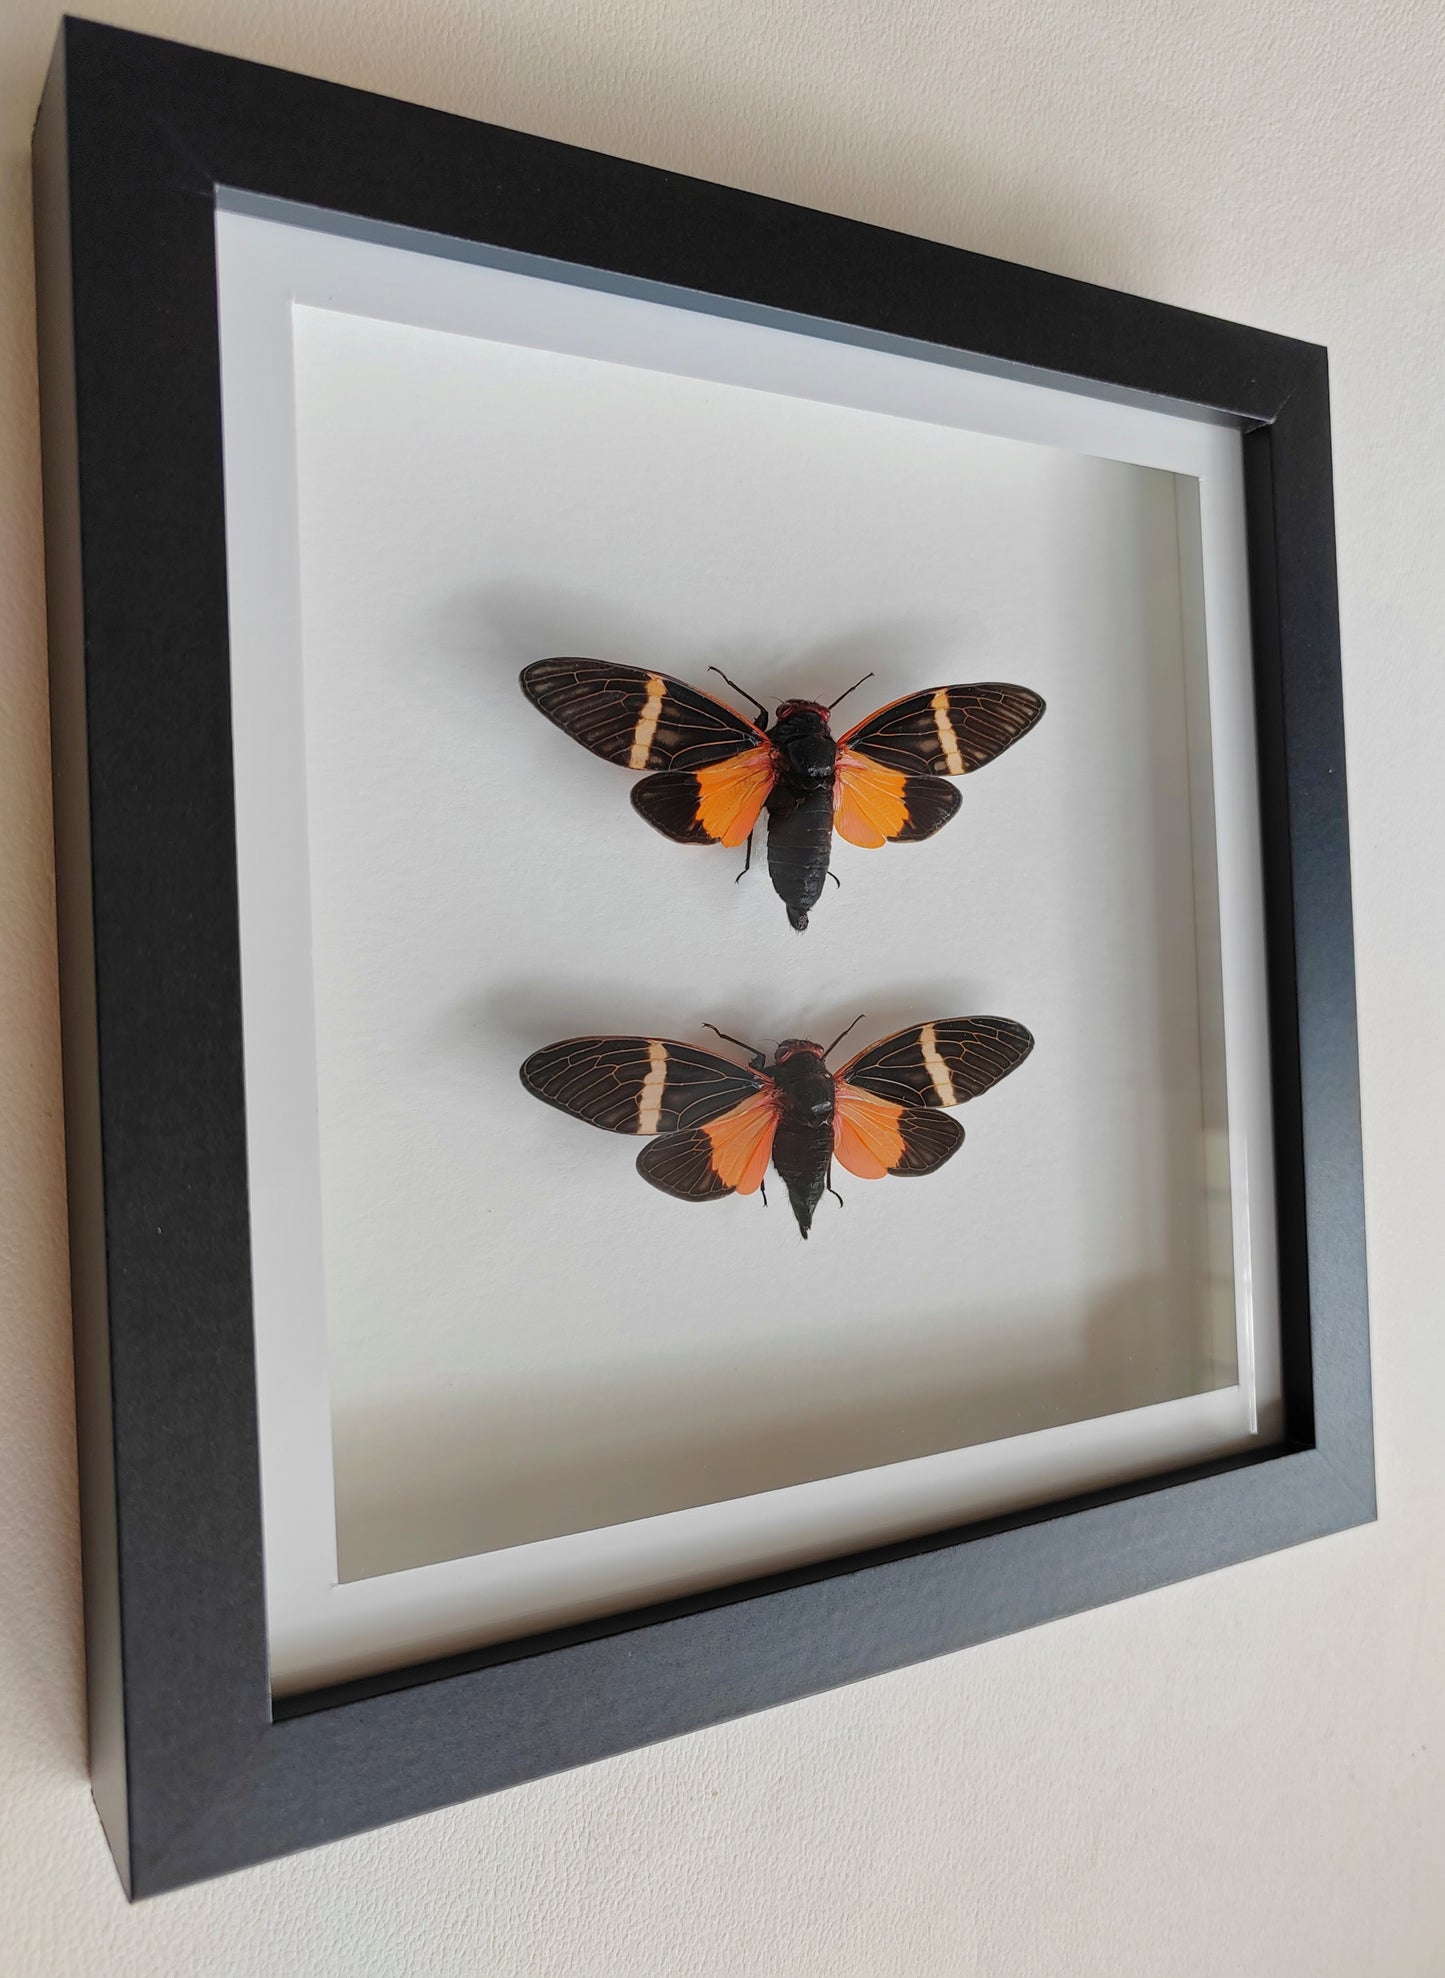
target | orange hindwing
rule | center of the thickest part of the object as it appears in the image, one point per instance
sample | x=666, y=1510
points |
x=867, y=1133
x=742, y=1142
x=731, y=794
x=869, y=805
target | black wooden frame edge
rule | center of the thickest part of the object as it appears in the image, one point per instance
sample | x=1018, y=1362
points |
x=795, y=1636
x=76, y=957
x=154, y=1106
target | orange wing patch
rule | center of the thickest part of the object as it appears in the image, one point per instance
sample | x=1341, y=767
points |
x=867, y=1136
x=731, y=794
x=742, y=1142
x=869, y=806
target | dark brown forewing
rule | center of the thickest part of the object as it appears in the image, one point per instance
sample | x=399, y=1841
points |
x=631, y=716
x=929, y=1139
x=942, y=1063
x=681, y=1164
x=947, y=731
x=637, y=1084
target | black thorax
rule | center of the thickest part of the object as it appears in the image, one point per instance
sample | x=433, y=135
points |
x=806, y=750
x=807, y=1088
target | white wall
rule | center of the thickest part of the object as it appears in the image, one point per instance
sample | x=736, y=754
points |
x=1242, y=1775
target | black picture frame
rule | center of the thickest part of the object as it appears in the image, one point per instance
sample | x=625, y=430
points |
x=195, y=1773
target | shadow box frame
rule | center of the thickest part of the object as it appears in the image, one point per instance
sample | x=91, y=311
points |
x=196, y=1770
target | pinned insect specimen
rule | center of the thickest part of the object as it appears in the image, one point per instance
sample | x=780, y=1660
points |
x=712, y=773
x=713, y=1126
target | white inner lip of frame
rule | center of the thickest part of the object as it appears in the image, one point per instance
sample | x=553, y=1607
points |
x=322, y=1630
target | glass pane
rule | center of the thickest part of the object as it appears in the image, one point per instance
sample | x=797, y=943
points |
x=523, y=1350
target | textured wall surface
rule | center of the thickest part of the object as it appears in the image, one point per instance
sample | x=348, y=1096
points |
x=1242, y=1775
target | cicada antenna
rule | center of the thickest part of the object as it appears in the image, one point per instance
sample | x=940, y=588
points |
x=841, y=1035
x=848, y=690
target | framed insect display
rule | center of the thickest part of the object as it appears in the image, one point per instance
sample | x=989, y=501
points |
x=425, y=1447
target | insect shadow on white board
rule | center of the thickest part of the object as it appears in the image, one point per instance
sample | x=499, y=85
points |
x=714, y=1126
x=710, y=773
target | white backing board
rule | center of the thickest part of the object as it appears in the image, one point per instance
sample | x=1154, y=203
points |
x=503, y=1382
